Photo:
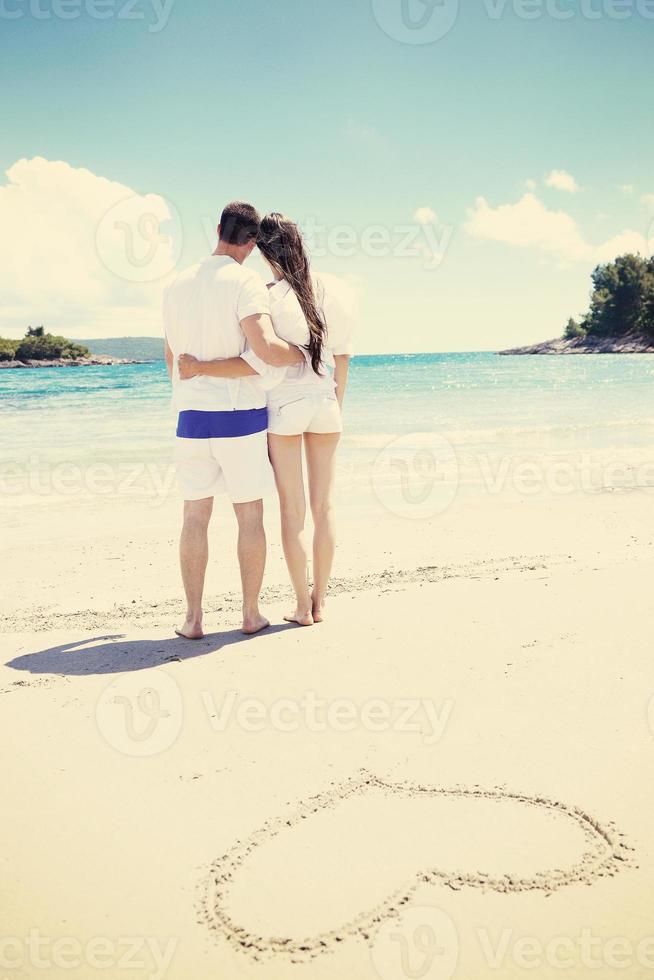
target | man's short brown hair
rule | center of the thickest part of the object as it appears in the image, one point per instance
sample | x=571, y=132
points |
x=239, y=223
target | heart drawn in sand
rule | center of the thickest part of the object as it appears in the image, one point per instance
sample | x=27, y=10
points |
x=341, y=864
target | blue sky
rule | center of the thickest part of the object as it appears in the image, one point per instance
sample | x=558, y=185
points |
x=313, y=109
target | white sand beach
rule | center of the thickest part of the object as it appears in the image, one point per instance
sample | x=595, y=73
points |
x=451, y=774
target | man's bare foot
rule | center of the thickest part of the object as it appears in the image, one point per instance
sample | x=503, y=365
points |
x=318, y=611
x=302, y=618
x=191, y=630
x=254, y=624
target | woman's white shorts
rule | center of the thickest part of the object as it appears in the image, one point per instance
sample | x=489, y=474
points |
x=291, y=414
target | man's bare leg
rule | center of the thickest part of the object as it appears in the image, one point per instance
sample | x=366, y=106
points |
x=193, y=556
x=252, y=559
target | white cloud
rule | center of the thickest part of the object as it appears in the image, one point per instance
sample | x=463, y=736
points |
x=626, y=188
x=530, y=224
x=80, y=253
x=626, y=241
x=425, y=216
x=527, y=223
x=648, y=200
x=561, y=180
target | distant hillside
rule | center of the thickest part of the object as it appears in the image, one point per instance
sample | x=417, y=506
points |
x=132, y=348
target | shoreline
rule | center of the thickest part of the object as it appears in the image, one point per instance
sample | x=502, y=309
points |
x=99, y=361
x=631, y=344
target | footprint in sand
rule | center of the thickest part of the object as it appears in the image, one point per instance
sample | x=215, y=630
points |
x=341, y=864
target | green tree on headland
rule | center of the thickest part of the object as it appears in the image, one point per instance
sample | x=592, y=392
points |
x=573, y=330
x=622, y=300
x=8, y=349
x=37, y=345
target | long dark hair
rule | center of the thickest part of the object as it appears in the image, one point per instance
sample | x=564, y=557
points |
x=280, y=242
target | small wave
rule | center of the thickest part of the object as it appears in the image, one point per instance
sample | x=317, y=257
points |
x=499, y=434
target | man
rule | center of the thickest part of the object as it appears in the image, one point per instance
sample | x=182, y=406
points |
x=217, y=310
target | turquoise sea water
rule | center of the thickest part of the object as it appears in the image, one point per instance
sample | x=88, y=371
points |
x=481, y=404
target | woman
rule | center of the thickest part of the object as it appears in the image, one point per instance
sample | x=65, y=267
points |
x=306, y=407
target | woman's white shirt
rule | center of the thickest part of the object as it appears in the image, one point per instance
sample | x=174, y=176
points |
x=335, y=301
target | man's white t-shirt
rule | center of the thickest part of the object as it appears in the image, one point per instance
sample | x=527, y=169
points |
x=202, y=310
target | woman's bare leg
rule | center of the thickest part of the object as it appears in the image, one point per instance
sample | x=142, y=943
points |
x=321, y=467
x=286, y=459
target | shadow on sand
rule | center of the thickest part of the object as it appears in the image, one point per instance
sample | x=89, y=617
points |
x=115, y=655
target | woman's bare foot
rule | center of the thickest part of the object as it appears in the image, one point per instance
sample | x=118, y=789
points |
x=318, y=610
x=191, y=630
x=301, y=616
x=254, y=624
